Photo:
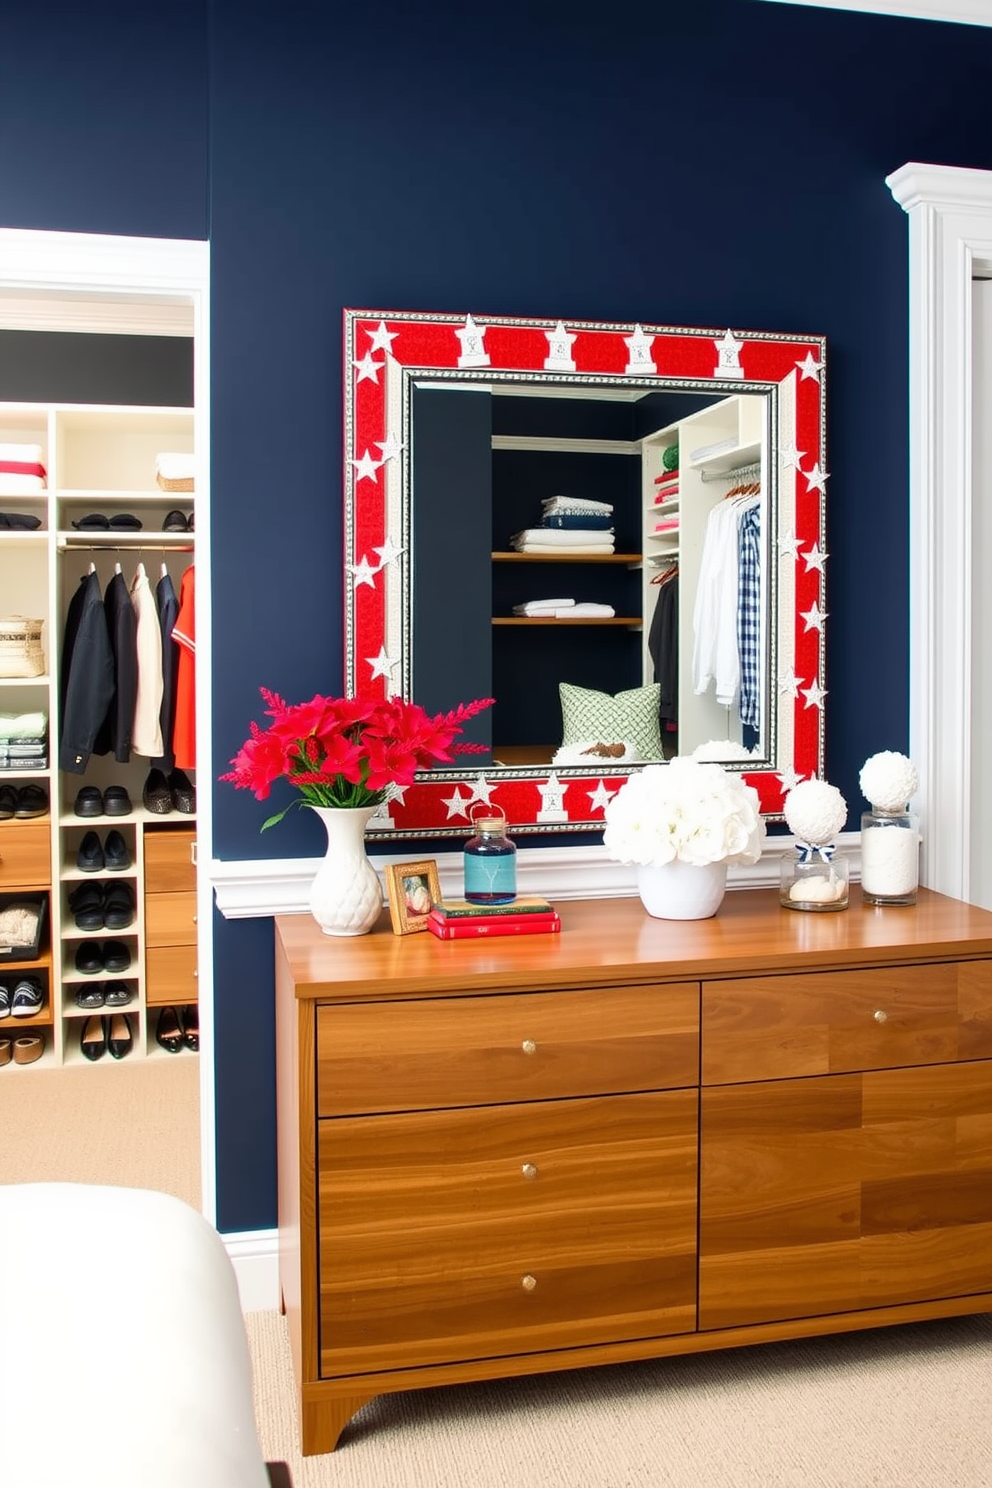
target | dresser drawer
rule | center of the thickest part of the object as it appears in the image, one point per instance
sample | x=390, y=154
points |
x=25, y=854
x=170, y=919
x=448, y=1235
x=780, y=1027
x=169, y=865
x=170, y=974
x=469, y=1051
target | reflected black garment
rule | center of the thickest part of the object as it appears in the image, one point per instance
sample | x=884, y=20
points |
x=168, y=611
x=87, y=674
x=122, y=628
x=663, y=647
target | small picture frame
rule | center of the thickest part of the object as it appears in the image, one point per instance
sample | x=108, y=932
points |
x=412, y=889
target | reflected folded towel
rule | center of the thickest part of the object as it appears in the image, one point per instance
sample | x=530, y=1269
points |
x=23, y=725
x=553, y=537
x=585, y=610
x=574, y=503
x=542, y=606
x=21, y=469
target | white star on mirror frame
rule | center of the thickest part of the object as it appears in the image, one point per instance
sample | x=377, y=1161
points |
x=600, y=798
x=366, y=467
x=788, y=545
x=815, y=558
x=481, y=789
x=381, y=339
x=809, y=367
x=368, y=367
x=814, y=695
x=382, y=665
x=790, y=779
x=456, y=803
x=364, y=572
x=790, y=455
x=389, y=552
x=789, y=683
x=814, y=616
x=816, y=479
x=390, y=447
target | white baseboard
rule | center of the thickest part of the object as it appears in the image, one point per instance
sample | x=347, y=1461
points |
x=255, y=1257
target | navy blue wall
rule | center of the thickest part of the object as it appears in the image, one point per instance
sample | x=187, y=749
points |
x=719, y=163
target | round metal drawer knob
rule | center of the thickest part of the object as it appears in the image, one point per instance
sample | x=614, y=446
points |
x=529, y=1046
x=529, y=1170
x=528, y=1282
x=881, y=1016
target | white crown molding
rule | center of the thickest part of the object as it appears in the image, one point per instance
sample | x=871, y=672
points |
x=254, y=890
x=20, y=310
x=950, y=238
x=963, y=12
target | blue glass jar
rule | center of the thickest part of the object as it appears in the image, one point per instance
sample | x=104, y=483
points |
x=490, y=861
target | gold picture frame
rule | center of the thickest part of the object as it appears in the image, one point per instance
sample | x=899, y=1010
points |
x=408, y=887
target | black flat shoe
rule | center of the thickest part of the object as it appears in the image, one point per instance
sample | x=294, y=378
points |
x=156, y=795
x=119, y=1037
x=118, y=906
x=116, y=957
x=8, y=802
x=32, y=801
x=182, y=792
x=117, y=856
x=168, y=1032
x=191, y=1026
x=89, y=858
x=86, y=903
x=93, y=1039
x=118, y=994
x=88, y=960
x=89, y=802
x=116, y=801
x=90, y=997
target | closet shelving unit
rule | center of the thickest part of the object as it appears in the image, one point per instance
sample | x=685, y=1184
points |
x=99, y=459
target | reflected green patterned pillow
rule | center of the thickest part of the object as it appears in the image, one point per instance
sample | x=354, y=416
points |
x=598, y=717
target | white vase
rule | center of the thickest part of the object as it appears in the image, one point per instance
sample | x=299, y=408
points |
x=682, y=891
x=345, y=896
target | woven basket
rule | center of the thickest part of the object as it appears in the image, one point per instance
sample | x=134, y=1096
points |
x=184, y=484
x=21, y=653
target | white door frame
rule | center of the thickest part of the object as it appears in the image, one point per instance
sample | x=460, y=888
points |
x=88, y=282
x=950, y=238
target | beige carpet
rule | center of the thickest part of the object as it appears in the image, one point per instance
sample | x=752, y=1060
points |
x=135, y=1123
x=906, y=1407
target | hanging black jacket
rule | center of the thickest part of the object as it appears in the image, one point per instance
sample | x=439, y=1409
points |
x=122, y=629
x=87, y=674
x=168, y=610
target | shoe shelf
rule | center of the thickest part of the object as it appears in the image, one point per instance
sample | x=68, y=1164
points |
x=101, y=463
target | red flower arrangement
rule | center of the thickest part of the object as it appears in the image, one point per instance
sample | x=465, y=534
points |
x=346, y=752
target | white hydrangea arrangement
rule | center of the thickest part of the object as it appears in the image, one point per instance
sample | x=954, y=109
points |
x=888, y=780
x=689, y=809
x=815, y=812
x=721, y=749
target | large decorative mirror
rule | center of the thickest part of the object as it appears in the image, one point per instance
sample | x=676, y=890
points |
x=616, y=531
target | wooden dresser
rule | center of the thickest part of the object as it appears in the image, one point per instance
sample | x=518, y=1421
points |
x=635, y=1138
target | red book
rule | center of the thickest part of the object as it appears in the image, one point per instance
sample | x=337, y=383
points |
x=489, y=925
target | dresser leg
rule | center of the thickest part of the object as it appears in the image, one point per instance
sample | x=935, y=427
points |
x=322, y=1422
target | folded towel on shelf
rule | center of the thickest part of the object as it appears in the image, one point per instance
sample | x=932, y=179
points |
x=586, y=610
x=555, y=538
x=667, y=524
x=29, y=727
x=574, y=503
x=573, y=552
x=592, y=521
x=541, y=606
x=22, y=469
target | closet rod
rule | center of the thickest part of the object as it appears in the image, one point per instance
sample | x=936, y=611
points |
x=742, y=470
x=114, y=547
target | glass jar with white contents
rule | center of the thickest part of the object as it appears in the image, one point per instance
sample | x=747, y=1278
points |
x=813, y=878
x=890, y=856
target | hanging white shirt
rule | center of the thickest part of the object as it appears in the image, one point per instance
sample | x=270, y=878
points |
x=146, y=737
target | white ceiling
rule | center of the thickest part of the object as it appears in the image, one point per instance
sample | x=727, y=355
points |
x=967, y=12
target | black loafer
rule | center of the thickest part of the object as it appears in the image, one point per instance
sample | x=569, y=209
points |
x=86, y=904
x=88, y=959
x=90, y=857
x=115, y=853
x=32, y=801
x=175, y=521
x=168, y=1032
x=182, y=792
x=156, y=795
x=116, y=801
x=93, y=1039
x=90, y=997
x=118, y=994
x=118, y=906
x=116, y=957
x=8, y=802
x=119, y=1036
x=89, y=802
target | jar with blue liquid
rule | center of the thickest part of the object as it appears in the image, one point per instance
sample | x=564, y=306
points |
x=490, y=860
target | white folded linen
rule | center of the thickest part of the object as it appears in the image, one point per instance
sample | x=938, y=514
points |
x=574, y=503
x=536, y=547
x=27, y=454
x=542, y=606
x=585, y=610
x=175, y=466
x=12, y=484
x=561, y=537
x=21, y=482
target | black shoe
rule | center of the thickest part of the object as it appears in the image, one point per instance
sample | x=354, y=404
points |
x=119, y=1036
x=115, y=853
x=118, y=906
x=89, y=802
x=119, y=994
x=156, y=795
x=182, y=792
x=8, y=802
x=93, y=1039
x=90, y=997
x=28, y=998
x=116, y=801
x=168, y=1032
x=32, y=801
x=116, y=957
x=86, y=903
x=88, y=960
x=90, y=857
x=190, y=1017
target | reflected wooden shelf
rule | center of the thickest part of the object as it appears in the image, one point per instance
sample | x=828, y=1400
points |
x=566, y=557
x=630, y=621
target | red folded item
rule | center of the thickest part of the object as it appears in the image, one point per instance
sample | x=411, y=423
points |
x=21, y=467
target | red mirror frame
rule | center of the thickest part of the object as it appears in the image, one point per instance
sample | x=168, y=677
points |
x=384, y=350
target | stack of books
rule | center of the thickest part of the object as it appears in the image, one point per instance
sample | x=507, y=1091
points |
x=459, y=919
